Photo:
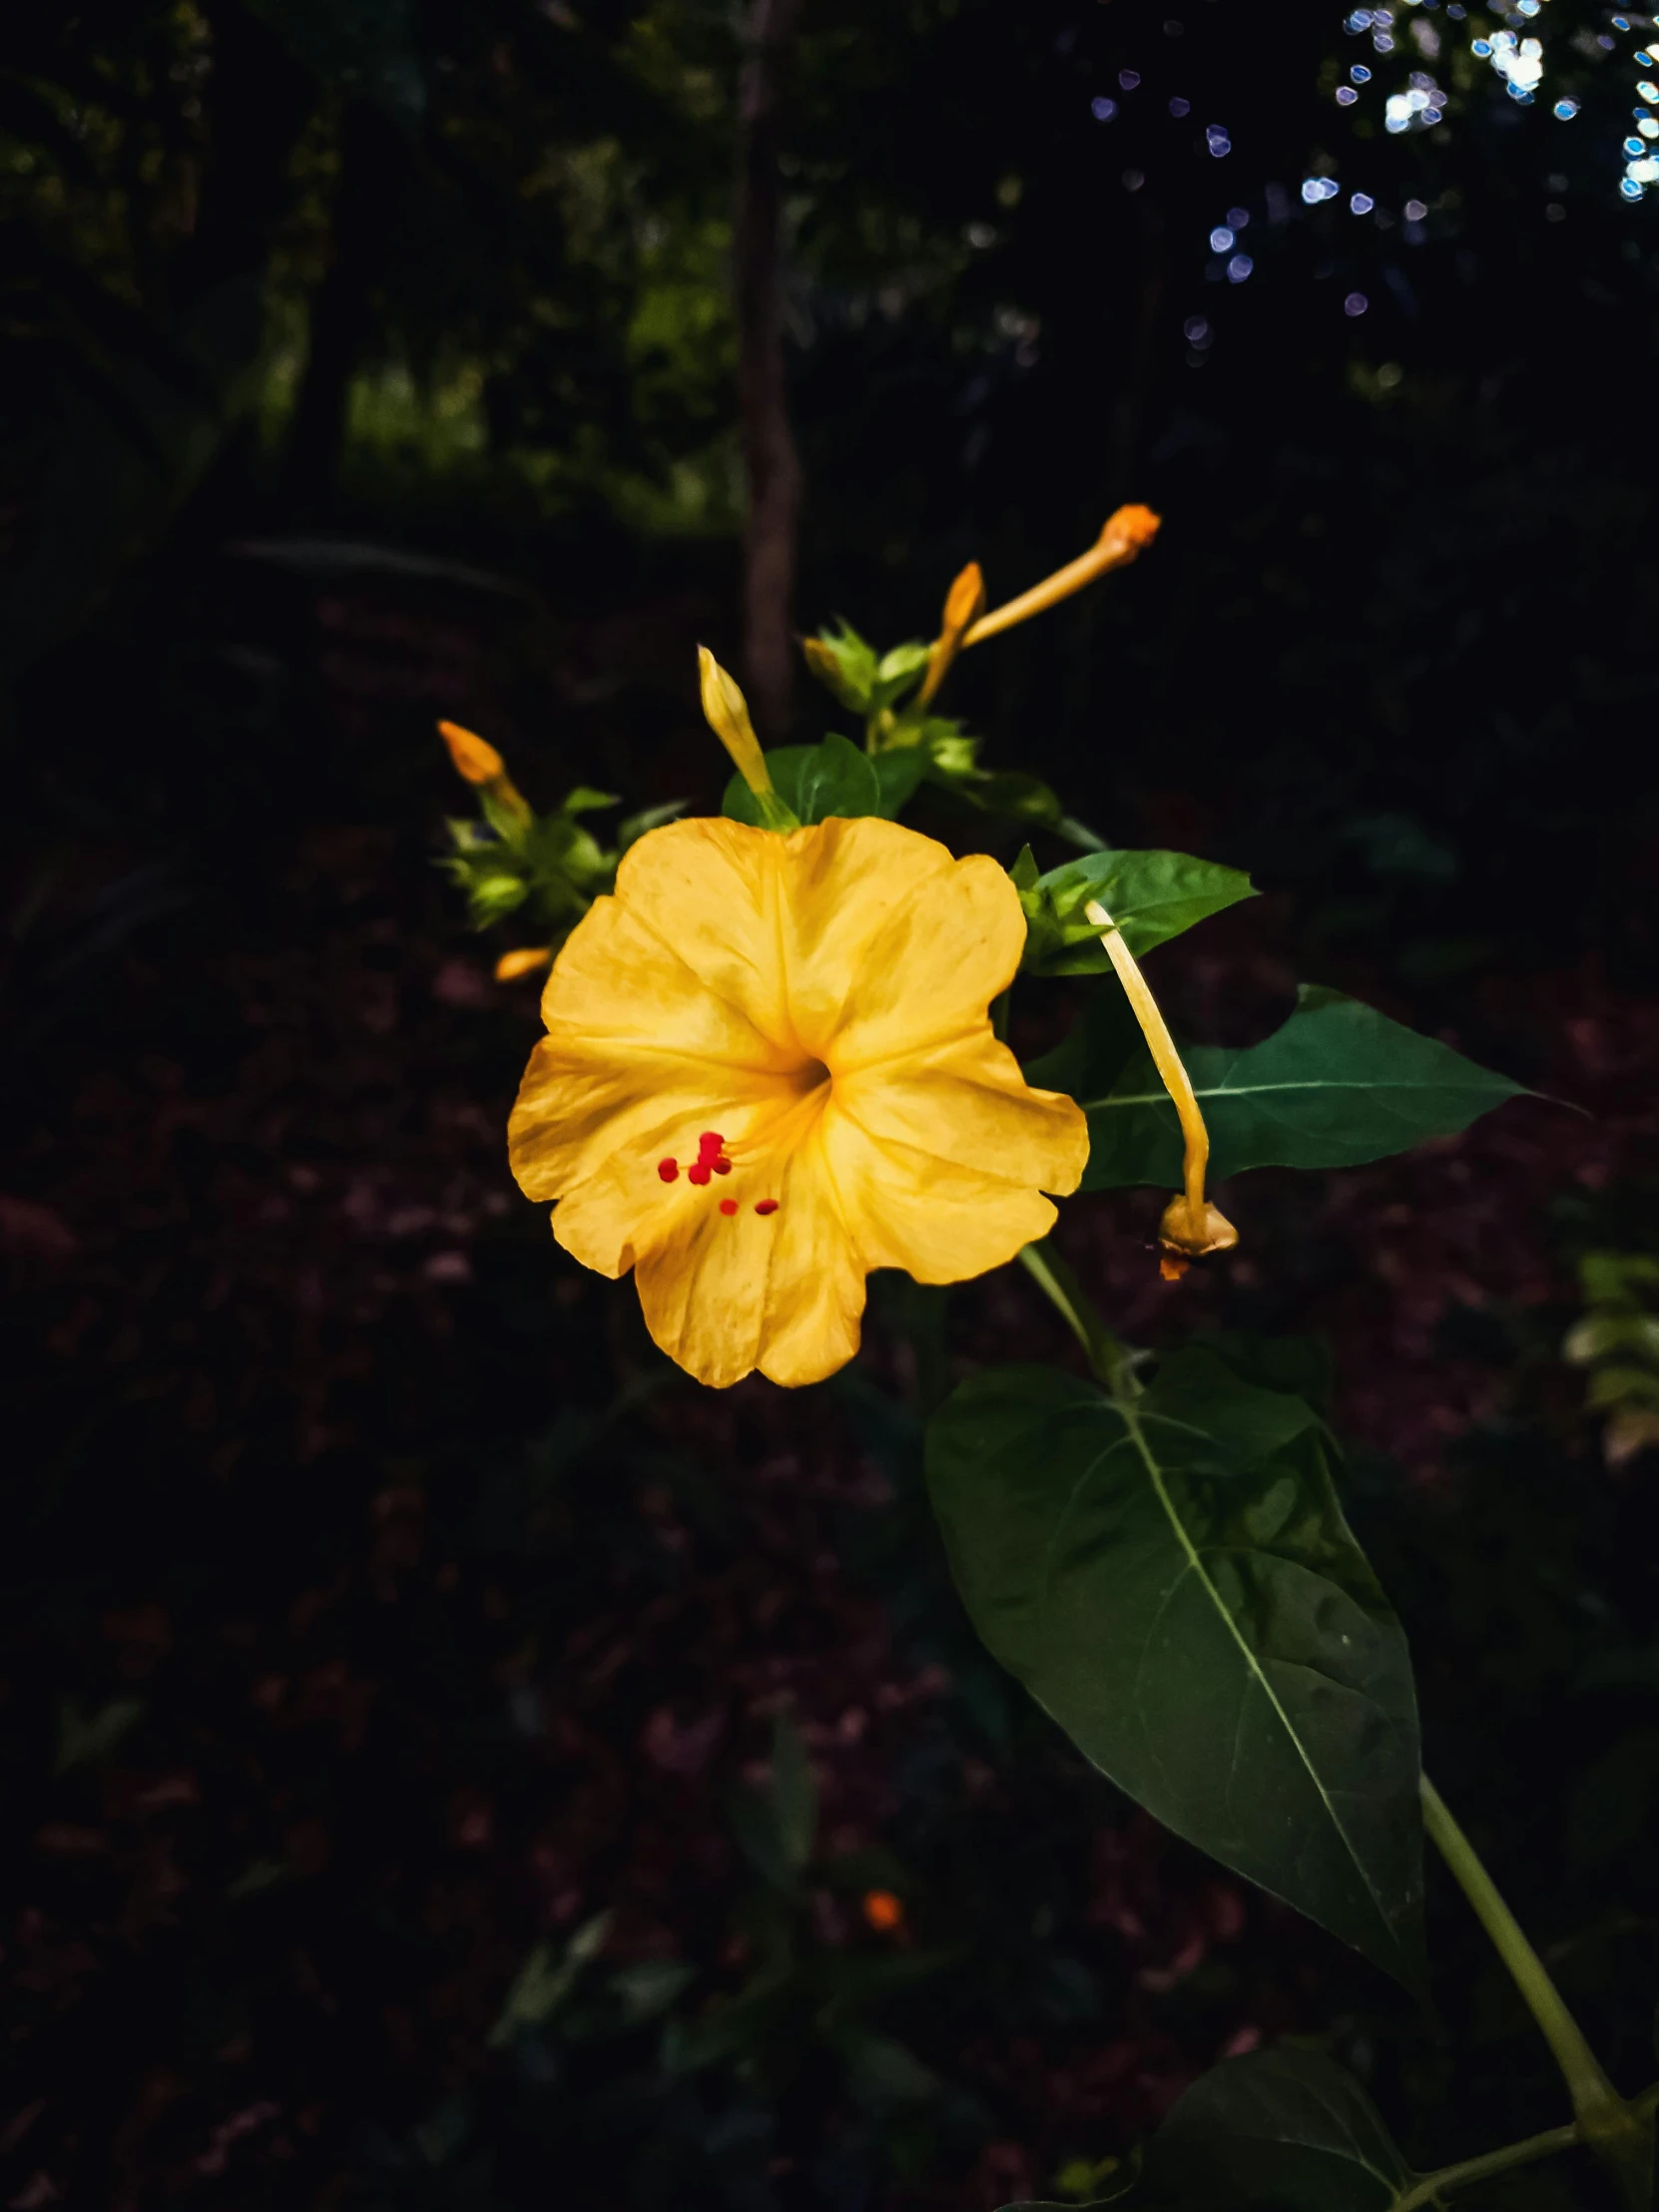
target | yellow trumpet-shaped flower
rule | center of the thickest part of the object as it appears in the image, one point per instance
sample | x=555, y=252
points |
x=769, y=1068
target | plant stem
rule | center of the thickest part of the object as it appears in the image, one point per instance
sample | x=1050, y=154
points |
x=1620, y=2135
x=1490, y=2162
x=1107, y=1355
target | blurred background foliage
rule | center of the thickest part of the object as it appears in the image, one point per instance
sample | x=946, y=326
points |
x=449, y=1761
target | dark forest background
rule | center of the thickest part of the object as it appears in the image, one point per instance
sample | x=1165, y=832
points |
x=447, y=1757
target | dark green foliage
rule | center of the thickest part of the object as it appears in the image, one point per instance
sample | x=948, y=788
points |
x=814, y=782
x=1337, y=1084
x=1171, y=1577
x=1152, y=896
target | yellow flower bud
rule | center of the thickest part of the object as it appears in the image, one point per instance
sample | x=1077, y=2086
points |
x=727, y=713
x=474, y=757
x=527, y=961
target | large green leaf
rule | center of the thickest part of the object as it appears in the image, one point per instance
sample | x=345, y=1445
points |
x=1172, y=1579
x=1283, y=2129
x=814, y=782
x=1280, y=2130
x=1152, y=896
x=1336, y=1085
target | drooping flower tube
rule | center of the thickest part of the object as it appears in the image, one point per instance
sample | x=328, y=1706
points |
x=769, y=1068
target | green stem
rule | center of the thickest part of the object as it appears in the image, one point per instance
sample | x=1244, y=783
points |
x=1107, y=1355
x=1620, y=2135
x=1490, y=2162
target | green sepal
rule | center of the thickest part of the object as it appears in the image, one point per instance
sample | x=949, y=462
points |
x=1336, y=1085
x=548, y=868
x=1152, y=896
x=813, y=782
x=634, y=827
x=1025, y=872
x=1172, y=1579
x=844, y=664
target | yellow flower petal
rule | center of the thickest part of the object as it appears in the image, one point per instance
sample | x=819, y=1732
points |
x=814, y=1008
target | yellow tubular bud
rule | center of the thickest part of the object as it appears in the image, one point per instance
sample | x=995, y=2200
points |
x=474, y=757
x=1126, y=536
x=529, y=959
x=727, y=713
x=1190, y=1225
x=964, y=603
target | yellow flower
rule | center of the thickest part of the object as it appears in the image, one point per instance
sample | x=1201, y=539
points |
x=769, y=1068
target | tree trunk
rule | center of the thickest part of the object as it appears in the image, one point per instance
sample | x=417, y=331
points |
x=771, y=462
x=372, y=165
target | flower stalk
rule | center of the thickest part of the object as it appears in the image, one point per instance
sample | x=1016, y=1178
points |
x=1191, y=1226
x=1126, y=536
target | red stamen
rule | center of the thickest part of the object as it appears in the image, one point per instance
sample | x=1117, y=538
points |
x=727, y=1205
x=668, y=1169
x=710, y=1143
x=720, y=1167
x=766, y=1206
x=698, y=1173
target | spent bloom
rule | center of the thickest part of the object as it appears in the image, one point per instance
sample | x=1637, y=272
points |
x=769, y=1068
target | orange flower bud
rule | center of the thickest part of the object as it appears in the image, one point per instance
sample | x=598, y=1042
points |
x=964, y=603
x=529, y=959
x=965, y=600
x=474, y=757
x=1131, y=528
x=882, y=1910
x=1128, y=533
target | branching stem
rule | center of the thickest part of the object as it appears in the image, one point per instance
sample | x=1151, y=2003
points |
x=1620, y=2134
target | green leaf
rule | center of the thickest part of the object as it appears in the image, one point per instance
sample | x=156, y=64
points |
x=1005, y=793
x=895, y=674
x=545, y=1984
x=1172, y=1579
x=1283, y=2130
x=814, y=782
x=898, y=772
x=1152, y=896
x=1337, y=1084
x=634, y=827
x=843, y=661
x=584, y=799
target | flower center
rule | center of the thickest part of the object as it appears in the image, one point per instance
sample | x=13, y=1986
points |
x=807, y=1090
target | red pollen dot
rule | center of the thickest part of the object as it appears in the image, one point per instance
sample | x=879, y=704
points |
x=698, y=1173
x=727, y=1205
x=720, y=1167
x=668, y=1169
x=766, y=1206
x=710, y=1143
